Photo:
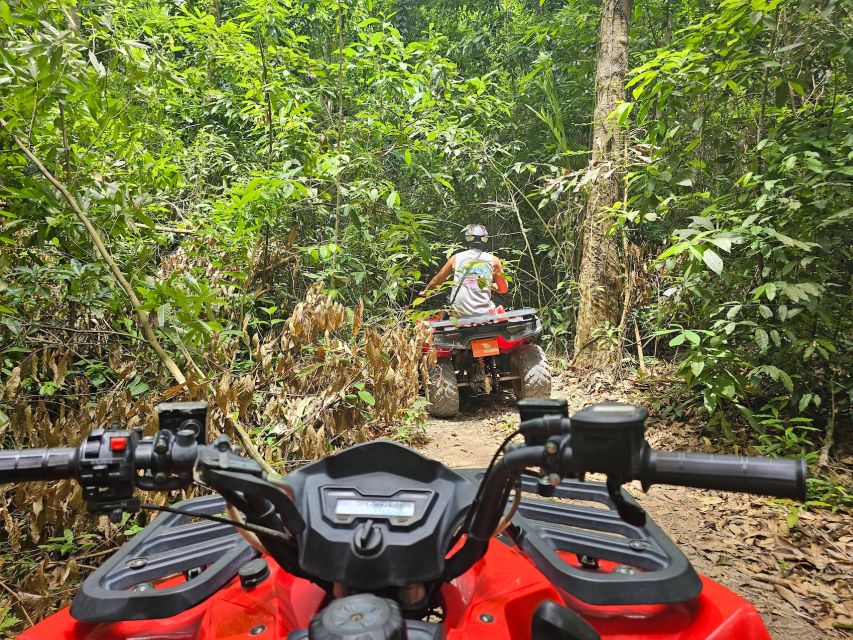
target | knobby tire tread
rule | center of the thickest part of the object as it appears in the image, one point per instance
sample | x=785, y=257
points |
x=532, y=365
x=443, y=392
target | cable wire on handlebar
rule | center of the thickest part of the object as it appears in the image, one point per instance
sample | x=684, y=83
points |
x=254, y=528
x=516, y=502
x=476, y=502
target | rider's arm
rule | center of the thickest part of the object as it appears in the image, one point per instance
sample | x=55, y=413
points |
x=500, y=283
x=443, y=274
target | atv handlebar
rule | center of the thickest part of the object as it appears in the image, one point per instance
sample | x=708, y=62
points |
x=607, y=438
x=784, y=478
x=764, y=476
x=780, y=478
x=31, y=465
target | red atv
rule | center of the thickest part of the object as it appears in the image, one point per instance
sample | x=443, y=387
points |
x=380, y=543
x=477, y=354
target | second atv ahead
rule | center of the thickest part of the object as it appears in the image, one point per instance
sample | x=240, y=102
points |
x=477, y=354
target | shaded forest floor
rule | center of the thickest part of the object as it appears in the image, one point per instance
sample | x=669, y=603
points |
x=798, y=578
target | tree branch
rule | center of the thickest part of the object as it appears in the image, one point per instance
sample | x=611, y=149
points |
x=141, y=316
x=163, y=229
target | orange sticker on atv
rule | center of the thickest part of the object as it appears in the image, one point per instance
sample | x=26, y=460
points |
x=485, y=347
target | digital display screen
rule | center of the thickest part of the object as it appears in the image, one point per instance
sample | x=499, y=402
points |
x=613, y=408
x=373, y=507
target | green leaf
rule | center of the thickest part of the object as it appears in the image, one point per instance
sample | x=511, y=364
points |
x=393, y=200
x=762, y=339
x=713, y=261
x=407, y=156
x=97, y=64
x=723, y=243
x=794, y=292
x=693, y=337
x=622, y=112
x=444, y=182
x=367, y=397
x=786, y=381
x=677, y=340
x=765, y=311
x=811, y=288
x=674, y=250
x=776, y=374
x=804, y=401
x=792, y=519
x=697, y=366
x=137, y=388
x=5, y=13
x=734, y=311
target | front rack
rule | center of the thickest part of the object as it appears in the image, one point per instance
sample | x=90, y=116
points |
x=208, y=554
x=650, y=567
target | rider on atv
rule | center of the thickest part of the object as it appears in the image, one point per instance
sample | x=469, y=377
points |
x=476, y=272
x=481, y=346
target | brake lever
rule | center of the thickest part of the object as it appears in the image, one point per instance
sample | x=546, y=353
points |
x=631, y=513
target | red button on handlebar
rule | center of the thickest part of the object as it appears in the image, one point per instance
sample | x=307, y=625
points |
x=118, y=443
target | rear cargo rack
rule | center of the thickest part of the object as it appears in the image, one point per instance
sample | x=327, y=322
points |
x=513, y=325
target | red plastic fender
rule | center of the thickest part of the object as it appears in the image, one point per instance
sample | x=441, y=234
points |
x=495, y=599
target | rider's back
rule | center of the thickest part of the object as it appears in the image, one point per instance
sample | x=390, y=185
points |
x=471, y=294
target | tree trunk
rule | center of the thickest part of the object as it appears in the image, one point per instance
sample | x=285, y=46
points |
x=599, y=278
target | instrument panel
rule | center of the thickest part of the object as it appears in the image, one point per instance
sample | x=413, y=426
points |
x=378, y=515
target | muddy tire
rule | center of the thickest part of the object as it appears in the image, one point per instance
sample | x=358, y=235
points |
x=442, y=390
x=534, y=375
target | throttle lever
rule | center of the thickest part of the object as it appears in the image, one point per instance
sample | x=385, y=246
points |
x=633, y=514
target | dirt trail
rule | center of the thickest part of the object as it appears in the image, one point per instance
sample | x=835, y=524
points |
x=718, y=532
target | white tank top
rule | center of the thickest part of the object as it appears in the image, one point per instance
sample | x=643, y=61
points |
x=471, y=294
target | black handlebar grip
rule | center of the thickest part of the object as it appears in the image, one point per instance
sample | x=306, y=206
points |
x=30, y=465
x=781, y=478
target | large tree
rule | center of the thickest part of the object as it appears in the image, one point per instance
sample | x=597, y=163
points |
x=599, y=277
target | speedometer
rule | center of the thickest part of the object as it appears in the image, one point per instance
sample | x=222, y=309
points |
x=374, y=507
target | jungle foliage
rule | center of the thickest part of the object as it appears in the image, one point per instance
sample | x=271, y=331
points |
x=233, y=153
x=241, y=156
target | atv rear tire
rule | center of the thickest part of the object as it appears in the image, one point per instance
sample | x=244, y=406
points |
x=534, y=376
x=442, y=390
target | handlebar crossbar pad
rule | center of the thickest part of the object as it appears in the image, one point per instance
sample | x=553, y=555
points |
x=780, y=478
x=31, y=465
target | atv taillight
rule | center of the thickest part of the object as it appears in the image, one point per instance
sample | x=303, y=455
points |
x=440, y=352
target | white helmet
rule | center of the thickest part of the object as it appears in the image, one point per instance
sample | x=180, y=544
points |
x=476, y=234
